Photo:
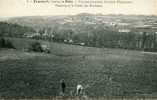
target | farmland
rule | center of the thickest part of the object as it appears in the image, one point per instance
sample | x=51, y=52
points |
x=105, y=71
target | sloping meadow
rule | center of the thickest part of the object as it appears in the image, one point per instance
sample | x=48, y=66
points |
x=103, y=72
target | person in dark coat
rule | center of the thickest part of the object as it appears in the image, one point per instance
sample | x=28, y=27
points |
x=63, y=86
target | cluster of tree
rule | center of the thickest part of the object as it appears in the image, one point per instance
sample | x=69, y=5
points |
x=13, y=30
x=101, y=37
x=90, y=35
x=5, y=43
x=38, y=47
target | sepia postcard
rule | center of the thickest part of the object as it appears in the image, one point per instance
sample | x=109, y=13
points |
x=78, y=49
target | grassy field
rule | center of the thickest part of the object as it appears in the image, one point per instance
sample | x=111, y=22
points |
x=30, y=74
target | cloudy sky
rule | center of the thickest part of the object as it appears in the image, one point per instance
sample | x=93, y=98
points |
x=12, y=8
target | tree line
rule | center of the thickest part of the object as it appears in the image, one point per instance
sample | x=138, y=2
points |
x=98, y=37
x=13, y=30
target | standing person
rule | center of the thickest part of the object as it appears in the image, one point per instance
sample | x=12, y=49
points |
x=63, y=86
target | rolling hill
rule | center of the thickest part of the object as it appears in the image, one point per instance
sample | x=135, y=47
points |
x=104, y=72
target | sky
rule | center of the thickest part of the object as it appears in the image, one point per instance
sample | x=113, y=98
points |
x=15, y=8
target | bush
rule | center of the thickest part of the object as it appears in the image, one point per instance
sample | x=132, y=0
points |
x=2, y=42
x=6, y=43
x=36, y=47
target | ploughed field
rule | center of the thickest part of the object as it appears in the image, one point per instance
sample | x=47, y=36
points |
x=102, y=71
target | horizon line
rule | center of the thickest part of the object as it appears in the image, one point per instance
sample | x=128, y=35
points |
x=120, y=14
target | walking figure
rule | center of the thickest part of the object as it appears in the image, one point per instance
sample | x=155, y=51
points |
x=63, y=87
